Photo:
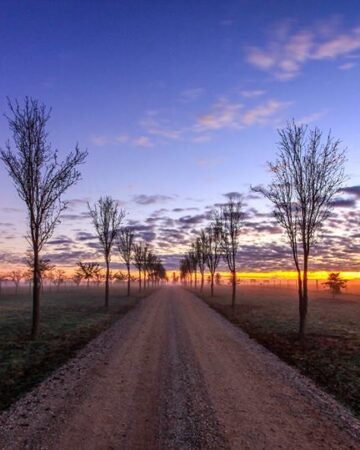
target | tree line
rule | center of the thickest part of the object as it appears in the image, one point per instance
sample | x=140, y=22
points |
x=306, y=175
x=41, y=180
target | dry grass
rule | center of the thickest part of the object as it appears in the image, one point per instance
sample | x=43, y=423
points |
x=331, y=354
x=69, y=319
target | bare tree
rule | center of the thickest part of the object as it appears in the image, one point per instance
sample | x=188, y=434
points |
x=77, y=278
x=213, y=251
x=138, y=254
x=229, y=218
x=194, y=260
x=16, y=276
x=59, y=278
x=201, y=251
x=107, y=218
x=40, y=180
x=306, y=176
x=125, y=243
x=87, y=271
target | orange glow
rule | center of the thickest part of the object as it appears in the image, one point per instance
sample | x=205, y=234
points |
x=281, y=275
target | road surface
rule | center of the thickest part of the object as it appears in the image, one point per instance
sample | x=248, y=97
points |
x=173, y=374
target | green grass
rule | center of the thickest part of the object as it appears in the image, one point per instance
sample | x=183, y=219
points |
x=331, y=353
x=69, y=319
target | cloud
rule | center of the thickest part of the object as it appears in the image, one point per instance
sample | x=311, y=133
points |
x=142, y=141
x=144, y=199
x=355, y=190
x=225, y=114
x=312, y=117
x=286, y=54
x=155, y=126
x=347, y=66
x=260, y=114
x=138, y=141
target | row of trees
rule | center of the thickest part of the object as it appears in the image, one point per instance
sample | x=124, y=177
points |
x=306, y=175
x=220, y=240
x=41, y=180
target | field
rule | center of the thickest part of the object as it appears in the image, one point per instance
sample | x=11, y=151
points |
x=331, y=354
x=70, y=317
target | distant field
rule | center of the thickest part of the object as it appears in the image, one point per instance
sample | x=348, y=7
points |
x=331, y=356
x=69, y=319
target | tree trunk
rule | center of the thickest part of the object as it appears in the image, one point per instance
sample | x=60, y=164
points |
x=301, y=305
x=202, y=282
x=195, y=279
x=212, y=285
x=304, y=303
x=139, y=279
x=128, y=283
x=233, y=299
x=107, y=284
x=36, y=298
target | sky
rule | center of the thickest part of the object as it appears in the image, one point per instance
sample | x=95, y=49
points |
x=178, y=103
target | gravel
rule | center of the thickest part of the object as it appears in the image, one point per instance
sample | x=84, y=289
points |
x=173, y=374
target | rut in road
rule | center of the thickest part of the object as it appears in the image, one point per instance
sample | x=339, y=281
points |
x=173, y=374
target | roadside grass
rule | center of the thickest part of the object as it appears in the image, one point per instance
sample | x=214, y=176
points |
x=69, y=319
x=331, y=353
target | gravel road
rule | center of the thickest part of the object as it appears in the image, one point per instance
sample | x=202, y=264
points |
x=173, y=374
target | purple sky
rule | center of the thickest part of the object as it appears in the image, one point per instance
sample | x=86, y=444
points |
x=178, y=103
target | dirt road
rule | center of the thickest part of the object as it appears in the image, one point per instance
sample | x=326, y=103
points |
x=172, y=374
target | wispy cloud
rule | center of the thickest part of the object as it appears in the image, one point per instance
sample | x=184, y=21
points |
x=103, y=141
x=142, y=141
x=144, y=199
x=286, y=54
x=225, y=114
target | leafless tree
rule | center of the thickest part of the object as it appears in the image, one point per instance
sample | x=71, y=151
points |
x=107, y=218
x=45, y=269
x=125, y=243
x=147, y=261
x=138, y=255
x=201, y=251
x=185, y=269
x=59, y=278
x=229, y=218
x=213, y=251
x=77, y=278
x=87, y=271
x=306, y=176
x=40, y=180
x=194, y=261
x=16, y=276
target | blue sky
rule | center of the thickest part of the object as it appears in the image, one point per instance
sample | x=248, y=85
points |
x=178, y=103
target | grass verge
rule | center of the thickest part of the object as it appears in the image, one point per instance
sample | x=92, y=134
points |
x=331, y=353
x=69, y=319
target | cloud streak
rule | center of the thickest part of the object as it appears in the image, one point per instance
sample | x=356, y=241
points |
x=286, y=54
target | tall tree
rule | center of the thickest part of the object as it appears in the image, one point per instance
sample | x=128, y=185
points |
x=213, y=251
x=307, y=174
x=138, y=252
x=201, y=251
x=194, y=260
x=40, y=180
x=125, y=243
x=229, y=218
x=107, y=218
